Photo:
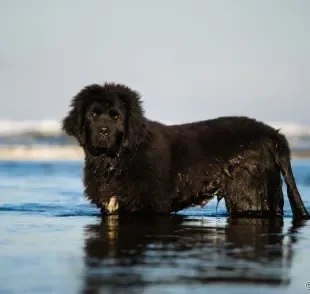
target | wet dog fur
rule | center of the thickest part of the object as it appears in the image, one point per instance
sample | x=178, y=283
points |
x=133, y=164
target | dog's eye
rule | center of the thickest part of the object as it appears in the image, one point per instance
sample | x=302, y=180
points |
x=95, y=112
x=115, y=114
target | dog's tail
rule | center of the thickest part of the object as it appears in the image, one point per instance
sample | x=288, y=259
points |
x=283, y=159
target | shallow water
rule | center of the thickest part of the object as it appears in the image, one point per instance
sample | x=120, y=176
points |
x=53, y=241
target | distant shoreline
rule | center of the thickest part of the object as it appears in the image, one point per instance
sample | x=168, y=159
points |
x=41, y=153
x=70, y=152
x=301, y=154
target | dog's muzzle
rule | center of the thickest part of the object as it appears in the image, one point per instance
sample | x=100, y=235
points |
x=103, y=131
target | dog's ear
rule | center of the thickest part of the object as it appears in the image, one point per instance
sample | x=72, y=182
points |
x=73, y=125
x=136, y=130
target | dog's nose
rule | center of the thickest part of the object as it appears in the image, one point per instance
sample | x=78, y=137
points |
x=103, y=131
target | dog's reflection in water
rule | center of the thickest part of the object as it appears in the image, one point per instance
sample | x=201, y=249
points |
x=130, y=252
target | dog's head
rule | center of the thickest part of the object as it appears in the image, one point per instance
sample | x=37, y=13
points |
x=104, y=118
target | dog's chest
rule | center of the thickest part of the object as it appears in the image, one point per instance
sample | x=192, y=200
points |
x=105, y=177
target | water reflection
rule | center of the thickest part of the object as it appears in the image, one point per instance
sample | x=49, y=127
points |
x=130, y=254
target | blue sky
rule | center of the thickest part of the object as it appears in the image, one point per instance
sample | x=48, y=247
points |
x=190, y=60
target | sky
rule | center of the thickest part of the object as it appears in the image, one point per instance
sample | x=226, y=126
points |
x=190, y=60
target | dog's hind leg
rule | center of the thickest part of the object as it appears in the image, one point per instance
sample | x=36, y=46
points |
x=245, y=194
x=282, y=157
x=275, y=192
x=298, y=208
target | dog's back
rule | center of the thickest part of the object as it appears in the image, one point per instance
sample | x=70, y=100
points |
x=244, y=157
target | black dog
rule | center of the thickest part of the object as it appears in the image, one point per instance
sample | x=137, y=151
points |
x=133, y=164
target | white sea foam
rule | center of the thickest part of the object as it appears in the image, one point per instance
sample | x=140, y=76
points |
x=53, y=128
x=292, y=129
x=298, y=136
x=44, y=127
x=286, y=128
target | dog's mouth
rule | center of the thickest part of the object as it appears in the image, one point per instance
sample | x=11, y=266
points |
x=111, y=206
x=104, y=142
x=100, y=145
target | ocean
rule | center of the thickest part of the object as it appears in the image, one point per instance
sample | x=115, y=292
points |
x=54, y=241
